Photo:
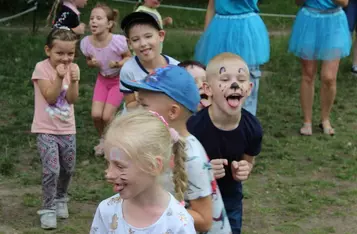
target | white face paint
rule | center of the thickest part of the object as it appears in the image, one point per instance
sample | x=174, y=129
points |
x=115, y=154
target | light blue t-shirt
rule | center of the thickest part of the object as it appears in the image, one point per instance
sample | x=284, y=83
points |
x=235, y=7
x=320, y=4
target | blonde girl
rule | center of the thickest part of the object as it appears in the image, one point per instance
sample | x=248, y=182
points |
x=136, y=161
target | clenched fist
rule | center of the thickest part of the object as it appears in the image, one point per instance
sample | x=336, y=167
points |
x=241, y=170
x=61, y=70
x=218, y=167
x=74, y=72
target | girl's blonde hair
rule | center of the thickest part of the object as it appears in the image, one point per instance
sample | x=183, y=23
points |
x=53, y=12
x=112, y=14
x=144, y=136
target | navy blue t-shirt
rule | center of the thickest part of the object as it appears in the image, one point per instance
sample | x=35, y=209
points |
x=231, y=145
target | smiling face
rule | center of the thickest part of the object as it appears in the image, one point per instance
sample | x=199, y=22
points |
x=145, y=40
x=200, y=77
x=127, y=177
x=229, y=85
x=99, y=22
x=61, y=52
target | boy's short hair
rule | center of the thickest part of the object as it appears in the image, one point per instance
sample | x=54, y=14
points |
x=139, y=17
x=172, y=80
x=212, y=67
x=187, y=63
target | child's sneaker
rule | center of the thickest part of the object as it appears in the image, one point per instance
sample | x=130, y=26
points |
x=48, y=219
x=354, y=70
x=62, y=209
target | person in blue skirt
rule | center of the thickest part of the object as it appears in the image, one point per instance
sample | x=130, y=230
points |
x=320, y=33
x=351, y=12
x=236, y=27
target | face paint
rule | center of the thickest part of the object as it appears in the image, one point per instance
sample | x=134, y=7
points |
x=235, y=85
x=222, y=69
x=115, y=154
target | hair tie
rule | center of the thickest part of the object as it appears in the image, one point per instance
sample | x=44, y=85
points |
x=64, y=28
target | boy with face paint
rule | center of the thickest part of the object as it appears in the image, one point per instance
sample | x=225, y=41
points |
x=231, y=135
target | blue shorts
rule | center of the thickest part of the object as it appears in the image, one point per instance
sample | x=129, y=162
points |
x=251, y=102
x=351, y=13
x=234, y=209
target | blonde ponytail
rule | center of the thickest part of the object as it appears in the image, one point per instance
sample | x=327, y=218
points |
x=179, y=171
x=52, y=13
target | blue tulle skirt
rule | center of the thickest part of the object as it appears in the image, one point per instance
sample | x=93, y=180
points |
x=245, y=35
x=320, y=35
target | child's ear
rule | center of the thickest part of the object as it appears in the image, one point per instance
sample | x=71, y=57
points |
x=110, y=24
x=251, y=85
x=129, y=43
x=159, y=166
x=162, y=34
x=207, y=89
x=174, y=112
x=47, y=50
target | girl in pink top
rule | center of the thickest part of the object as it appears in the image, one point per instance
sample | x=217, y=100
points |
x=55, y=81
x=108, y=52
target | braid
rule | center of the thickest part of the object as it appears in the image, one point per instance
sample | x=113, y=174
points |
x=179, y=171
x=53, y=12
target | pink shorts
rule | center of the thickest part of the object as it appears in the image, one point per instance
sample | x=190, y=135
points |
x=107, y=90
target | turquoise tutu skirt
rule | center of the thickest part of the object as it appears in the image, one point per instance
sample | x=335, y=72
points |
x=320, y=35
x=245, y=35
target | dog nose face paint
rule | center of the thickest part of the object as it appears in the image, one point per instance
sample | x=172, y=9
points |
x=234, y=86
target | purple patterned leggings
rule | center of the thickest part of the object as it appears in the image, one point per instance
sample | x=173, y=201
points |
x=58, y=158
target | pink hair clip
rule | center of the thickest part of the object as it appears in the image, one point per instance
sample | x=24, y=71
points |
x=175, y=136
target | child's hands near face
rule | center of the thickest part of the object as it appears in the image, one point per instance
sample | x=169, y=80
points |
x=61, y=70
x=218, y=167
x=94, y=62
x=241, y=170
x=168, y=20
x=115, y=64
x=74, y=71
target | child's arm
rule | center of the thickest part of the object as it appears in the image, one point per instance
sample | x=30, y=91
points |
x=118, y=64
x=52, y=89
x=80, y=29
x=72, y=92
x=92, y=62
x=167, y=21
x=201, y=212
x=342, y=3
x=209, y=13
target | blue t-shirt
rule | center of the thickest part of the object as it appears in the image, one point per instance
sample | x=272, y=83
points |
x=235, y=7
x=320, y=4
x=231, y=145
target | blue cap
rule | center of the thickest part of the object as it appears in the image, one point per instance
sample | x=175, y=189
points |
x=171, y=80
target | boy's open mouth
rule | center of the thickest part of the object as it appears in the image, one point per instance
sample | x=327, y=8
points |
x=233, y=100
x=204, y=96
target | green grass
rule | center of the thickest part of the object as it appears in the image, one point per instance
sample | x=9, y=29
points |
x=299, y=184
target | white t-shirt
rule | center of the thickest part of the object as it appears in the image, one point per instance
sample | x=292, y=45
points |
x=109, y=219
x=134, y=70
x=201, y=183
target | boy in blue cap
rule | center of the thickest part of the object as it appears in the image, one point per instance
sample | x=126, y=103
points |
x=172, y=93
